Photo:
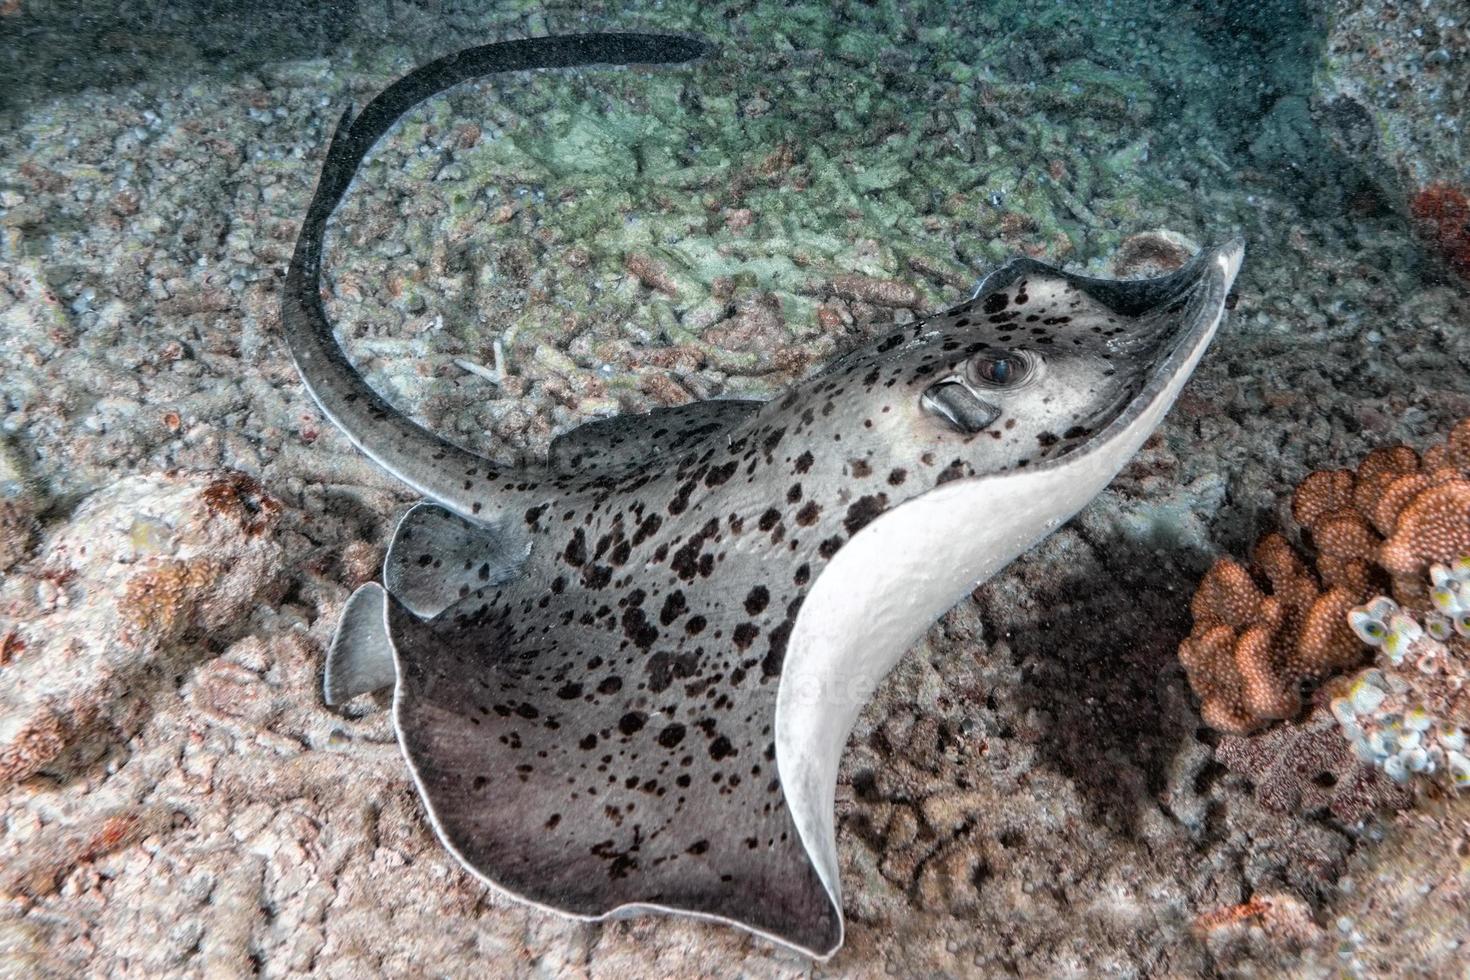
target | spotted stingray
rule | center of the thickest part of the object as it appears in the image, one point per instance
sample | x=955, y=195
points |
x=622, y=680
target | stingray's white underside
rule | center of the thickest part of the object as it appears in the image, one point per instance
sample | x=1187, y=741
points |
x=855, y=625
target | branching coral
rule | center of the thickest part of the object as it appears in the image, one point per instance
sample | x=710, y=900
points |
x=1260, y=633
x=1250, y=650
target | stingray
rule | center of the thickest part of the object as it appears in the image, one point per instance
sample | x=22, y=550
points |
x=622, y=679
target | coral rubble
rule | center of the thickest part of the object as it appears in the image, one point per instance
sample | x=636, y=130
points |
x=141, y=564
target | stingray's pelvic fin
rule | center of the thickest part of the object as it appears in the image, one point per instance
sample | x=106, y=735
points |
x=361, y=657
x=438, y=558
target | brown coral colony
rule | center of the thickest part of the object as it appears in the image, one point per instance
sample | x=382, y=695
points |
x=1261, y=633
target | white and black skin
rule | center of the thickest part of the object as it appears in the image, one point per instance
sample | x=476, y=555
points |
x=623, y=680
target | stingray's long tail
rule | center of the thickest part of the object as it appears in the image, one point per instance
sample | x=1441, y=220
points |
x=462, y=481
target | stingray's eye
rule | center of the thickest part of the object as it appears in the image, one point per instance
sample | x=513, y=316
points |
x=1001, y=368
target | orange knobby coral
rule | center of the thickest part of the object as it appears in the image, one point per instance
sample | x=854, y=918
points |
x=1260, y=633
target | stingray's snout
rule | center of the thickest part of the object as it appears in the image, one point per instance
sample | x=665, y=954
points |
x=1178, y=321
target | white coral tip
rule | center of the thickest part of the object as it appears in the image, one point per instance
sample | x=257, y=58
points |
x=1366, y=697
x=1459, y=767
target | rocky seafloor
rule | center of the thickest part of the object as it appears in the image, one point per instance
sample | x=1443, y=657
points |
x=1030, y=793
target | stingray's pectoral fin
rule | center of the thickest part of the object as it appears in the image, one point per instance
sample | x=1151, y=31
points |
x=437, y=558
x=548, y=769
x=361, y=656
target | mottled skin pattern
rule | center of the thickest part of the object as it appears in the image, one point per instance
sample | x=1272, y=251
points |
x=588, y=653
x=599, y=730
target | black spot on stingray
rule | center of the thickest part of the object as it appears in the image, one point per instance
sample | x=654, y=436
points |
x=569, y=692
x=793, y=493
x=719, y=474
x=533, y=514
x=698, y=847
x=776, y=648
x=1046, y=439
x=646, y=528
x=685, y=561
x=527, y=711
x=744, y=635
x=769, y=519
x=770, y=442
x=425, y=561
x=863, y=510
x=897, y=476
x=674, y=606
x=664, y=668
x=889, y=343
x=619, y=863
x=954, y=471
x=721, y=749
x=756, y=601
x=576, y=553
x=807, y=516
x=803, y=575
x=632, y=723
x=695, y=625
x=638, y=629
x=829, y=547
x=611, y=684
x=804, y=462
x=671, y=736
x=995, y=302
x=688, y=561
x=680, y=503
x=1077, y=432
